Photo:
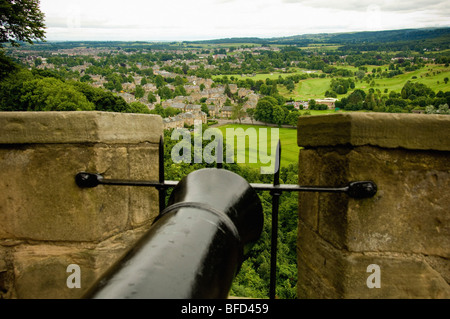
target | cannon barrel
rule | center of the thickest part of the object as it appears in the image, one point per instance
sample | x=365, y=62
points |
x=196, y=245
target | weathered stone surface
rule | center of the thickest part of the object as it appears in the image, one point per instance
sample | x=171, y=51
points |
x=41, y=201
x=404, y=228
x=46, y=221
x=411, y=131
x=410, y=213
x=41, y=270
x=79, y=127
x=143, y=166
x=327, y=272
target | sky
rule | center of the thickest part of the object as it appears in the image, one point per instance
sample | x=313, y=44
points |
x=188, y=20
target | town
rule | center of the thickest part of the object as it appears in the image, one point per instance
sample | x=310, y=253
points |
x=187, y=81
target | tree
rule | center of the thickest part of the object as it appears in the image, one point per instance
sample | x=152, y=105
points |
x=227, y=90
x=138, y=107
x=165, y=93
x=50, y=94
x=360, y=74
x=278, y=115
x=251, y=114
x=264, y=109
x=290, y=86
x=151, y=98
x=103, y=100
x=205, y=109
x=237, y=112
x=180, y=91
x=139, y=93
x=292, y=118
x=7, y=66
x=21, y=20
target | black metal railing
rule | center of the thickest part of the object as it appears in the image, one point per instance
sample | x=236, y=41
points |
x=357, y=190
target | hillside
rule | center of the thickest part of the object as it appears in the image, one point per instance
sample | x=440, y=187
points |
x=440, y=35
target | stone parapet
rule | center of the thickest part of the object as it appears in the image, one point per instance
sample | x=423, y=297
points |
x=46, y=221
x=404, y=229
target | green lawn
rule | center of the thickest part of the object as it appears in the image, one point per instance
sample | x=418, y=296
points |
x=288, y=138
x=429, y=75
x=315, y=88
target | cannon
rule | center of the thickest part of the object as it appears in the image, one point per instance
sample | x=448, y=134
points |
x=195, y=246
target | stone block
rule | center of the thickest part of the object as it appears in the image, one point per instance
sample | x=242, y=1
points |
x=46, y=221
x=78, y=127
x=404, y=228
x=410, y=131
x=325, y=271
x=40, y=200
x=41, y=271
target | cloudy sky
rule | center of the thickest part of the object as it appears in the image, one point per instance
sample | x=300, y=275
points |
x=171, y=20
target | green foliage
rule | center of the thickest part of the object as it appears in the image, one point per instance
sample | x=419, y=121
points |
x=416, y=89
x=103, y=100
x=21, y=20
x=139, y=93
x=278, y=115
x=264, y=109
x=292, y=118
x=44, y=90
x=413, y=95
x=341, y=86
x=7, y=66
x=165, y=93
x=151, y=98
x=49, y=94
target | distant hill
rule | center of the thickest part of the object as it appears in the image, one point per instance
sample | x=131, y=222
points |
x=343, y=38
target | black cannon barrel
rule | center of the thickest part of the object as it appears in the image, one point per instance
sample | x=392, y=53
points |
x=197, y=244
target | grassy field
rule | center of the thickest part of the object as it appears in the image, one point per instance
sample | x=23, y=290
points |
x=288, y=138
x=315, y=88
x=431, y=75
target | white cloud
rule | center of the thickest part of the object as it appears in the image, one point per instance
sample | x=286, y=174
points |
x=208, y=19
x=437, y=6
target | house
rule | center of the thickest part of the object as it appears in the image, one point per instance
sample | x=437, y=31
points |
x=173, y=122
x=188, y=118
x=149, y=87
x=252, y=101
x=127, y=97
x=193, y=108
x=330, y=102
x=129, y=86
x=192, y=88
x=226, y=111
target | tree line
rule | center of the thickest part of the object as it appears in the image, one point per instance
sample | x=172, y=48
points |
x=414, y=96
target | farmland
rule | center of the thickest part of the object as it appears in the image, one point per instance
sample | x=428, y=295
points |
x=314, y=88
x=288, y=138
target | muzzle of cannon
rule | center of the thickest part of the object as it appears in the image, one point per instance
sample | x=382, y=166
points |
x=196, y=245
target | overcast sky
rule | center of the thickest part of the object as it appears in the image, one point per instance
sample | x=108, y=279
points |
x=173, y=20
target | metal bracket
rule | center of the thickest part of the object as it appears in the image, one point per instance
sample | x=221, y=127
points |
x=356, y=190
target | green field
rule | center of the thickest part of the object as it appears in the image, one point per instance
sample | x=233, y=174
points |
x=431, y=75
x=288, y=138
x=314, y=88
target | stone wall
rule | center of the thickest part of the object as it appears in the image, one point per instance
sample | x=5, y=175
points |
x=404, y=229
x=46, y=222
